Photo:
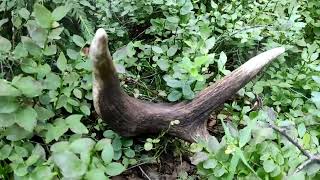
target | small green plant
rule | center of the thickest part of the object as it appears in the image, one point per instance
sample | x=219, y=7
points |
x=164, y=51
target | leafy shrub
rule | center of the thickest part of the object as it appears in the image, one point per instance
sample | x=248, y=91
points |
x=163, y=50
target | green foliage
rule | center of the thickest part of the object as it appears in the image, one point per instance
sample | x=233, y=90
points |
x=168, y=50
x=46, y=95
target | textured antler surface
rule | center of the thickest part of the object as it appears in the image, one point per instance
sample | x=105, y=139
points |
x=130, y=117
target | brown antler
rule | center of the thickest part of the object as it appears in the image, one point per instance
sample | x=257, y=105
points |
x=130, y=117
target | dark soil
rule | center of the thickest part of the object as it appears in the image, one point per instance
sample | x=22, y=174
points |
x=169, y=168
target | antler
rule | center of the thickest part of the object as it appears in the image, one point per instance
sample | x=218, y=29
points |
x=130, y=117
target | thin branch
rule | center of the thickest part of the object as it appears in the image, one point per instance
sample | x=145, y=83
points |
x=144, y=173
x=294, y=142
x=311, y=158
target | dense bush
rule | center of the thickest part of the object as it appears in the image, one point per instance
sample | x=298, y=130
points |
x=164, y=50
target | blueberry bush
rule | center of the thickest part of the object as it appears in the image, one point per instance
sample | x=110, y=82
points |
x=164, y=50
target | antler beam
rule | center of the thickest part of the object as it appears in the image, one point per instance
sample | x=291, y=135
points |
x=130, y=117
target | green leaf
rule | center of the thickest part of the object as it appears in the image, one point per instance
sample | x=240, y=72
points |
x=304, y=54
x=199, y=157
x=24, y=13
x=213, y=144
x=37, y=153
x=77, y=93
x=62, y=62
x=261, y=134
x=96, y=174
x=233, y=166
x=50, y=50
x=186, y=8
x=296, y=176
x=269, y=166
x=114, y=169
x=15, y=133
x=173, y=19
x=73, y=118
x=27, y=118
x=210, y=43
x=306, y=139
x=78, y=40
x=82, y=145
x=201, y=60
x=174, y=95
x=5, y=151
x=75, y=125
x=20, y=51
x=205, y=31
x=43, y=70
x=244, y=160
x=31, y=46
x=187, y=92
x=301, y=130
x=148, y=146
x=244, y=136
x=29, y=66
x=60, y=12
x=258, y=87
x=127, y=142
x=129, y=153
x=315, y=98
x=218, y=172
x=102, y=143
x=109, y=134
x=42, y=172
x=314, y=56
x=210, y=164
x=163, y=64
x=21, y=151
x=222, y=61
x=60, y=146
x=316, y=79
x=172, y=50
x=5, y=44
x=107, y=153
x=117, y=143
x=157, y=1
x=52, y=81
x=21, y=170
x=85, y=109
x=56, y=130
x=69, y=164
x=87, y=65
x=28, y=86
x=43, y=16
x=173, y=82
x=55, y=33
x=8, y=104
x=7, y=90
x=72, y=101
x=157, y=49
x=117, y=155
x=37, y=34
x=7, y=120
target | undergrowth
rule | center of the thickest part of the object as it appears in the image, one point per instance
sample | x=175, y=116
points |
x=164, y=51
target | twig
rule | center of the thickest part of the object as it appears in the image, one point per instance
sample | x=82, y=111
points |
x=283, y=133
x=311, y=158
x=144, y=173
x=139, y=34
x=137, y=165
